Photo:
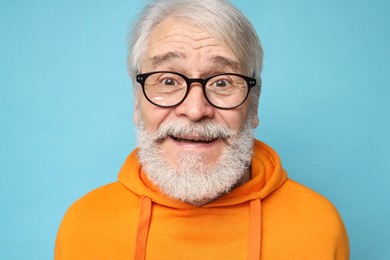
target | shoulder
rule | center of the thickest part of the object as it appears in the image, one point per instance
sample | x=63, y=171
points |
x=99, y=208
x=102, y=200
x=304, y=194
x=302, y=200
x=303, y=217
x=306, y=209
x=102, y=218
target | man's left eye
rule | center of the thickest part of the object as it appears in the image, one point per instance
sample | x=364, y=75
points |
x=221, y=83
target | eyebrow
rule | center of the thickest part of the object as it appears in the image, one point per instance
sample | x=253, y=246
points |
x=225, y=62
x=158, y=60
x=218, y=60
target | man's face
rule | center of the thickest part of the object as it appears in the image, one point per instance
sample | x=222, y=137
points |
x=183, y=47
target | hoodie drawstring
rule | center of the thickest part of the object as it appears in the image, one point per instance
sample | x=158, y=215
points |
x=254, y=230
x=143, y=228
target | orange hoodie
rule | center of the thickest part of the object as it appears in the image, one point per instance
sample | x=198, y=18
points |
x=269, y=218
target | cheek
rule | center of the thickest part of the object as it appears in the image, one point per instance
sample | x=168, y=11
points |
x=235, y=118
x=152, y=115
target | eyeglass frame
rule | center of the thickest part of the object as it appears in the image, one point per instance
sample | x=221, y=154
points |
x=141, y=78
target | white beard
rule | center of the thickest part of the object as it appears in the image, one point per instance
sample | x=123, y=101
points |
x=190, y=179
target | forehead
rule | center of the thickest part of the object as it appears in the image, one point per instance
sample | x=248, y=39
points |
x=175, y=40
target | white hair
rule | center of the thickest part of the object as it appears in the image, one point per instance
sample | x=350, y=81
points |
x=219, y=17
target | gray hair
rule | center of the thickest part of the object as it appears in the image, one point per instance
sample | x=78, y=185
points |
x=220, y=18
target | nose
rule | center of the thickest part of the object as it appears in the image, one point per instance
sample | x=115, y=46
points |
x=195, y=107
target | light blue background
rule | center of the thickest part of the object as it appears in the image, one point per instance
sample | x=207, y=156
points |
x=66, y=110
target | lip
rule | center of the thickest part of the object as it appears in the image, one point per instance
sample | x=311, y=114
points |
x=193, y=138
x=193, y=142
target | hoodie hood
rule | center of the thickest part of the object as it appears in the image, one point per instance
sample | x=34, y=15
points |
x=267, y=175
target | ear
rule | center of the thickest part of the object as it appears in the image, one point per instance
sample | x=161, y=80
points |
x=255, y=121
x=135, y=115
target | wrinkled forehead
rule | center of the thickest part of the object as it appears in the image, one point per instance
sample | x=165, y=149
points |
x=180, y=62
x=174, y=41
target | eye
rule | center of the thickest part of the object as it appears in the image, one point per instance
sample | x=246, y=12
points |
x=168, y=82
x=221, y=83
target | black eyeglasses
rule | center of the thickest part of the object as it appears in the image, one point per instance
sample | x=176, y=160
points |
x=169, y=89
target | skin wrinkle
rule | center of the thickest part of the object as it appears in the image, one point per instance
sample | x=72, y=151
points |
x=234, y=64
x=160, y=60
x=194, y=33
x=219, y=60
x=200, y=40
x=168, y=60
x=194, y=43
x=226, y=62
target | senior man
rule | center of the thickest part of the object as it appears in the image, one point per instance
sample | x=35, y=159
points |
x=199, y=186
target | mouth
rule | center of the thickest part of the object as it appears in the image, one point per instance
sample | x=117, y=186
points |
x=193, y=139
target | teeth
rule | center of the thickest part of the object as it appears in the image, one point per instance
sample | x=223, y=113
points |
x=183, y=139
x=202, y=140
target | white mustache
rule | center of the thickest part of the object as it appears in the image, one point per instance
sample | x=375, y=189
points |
x=205, y=129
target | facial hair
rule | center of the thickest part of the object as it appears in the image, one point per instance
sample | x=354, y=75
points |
x=191, y=180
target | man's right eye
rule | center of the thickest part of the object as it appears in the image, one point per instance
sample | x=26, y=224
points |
x=168, y=82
